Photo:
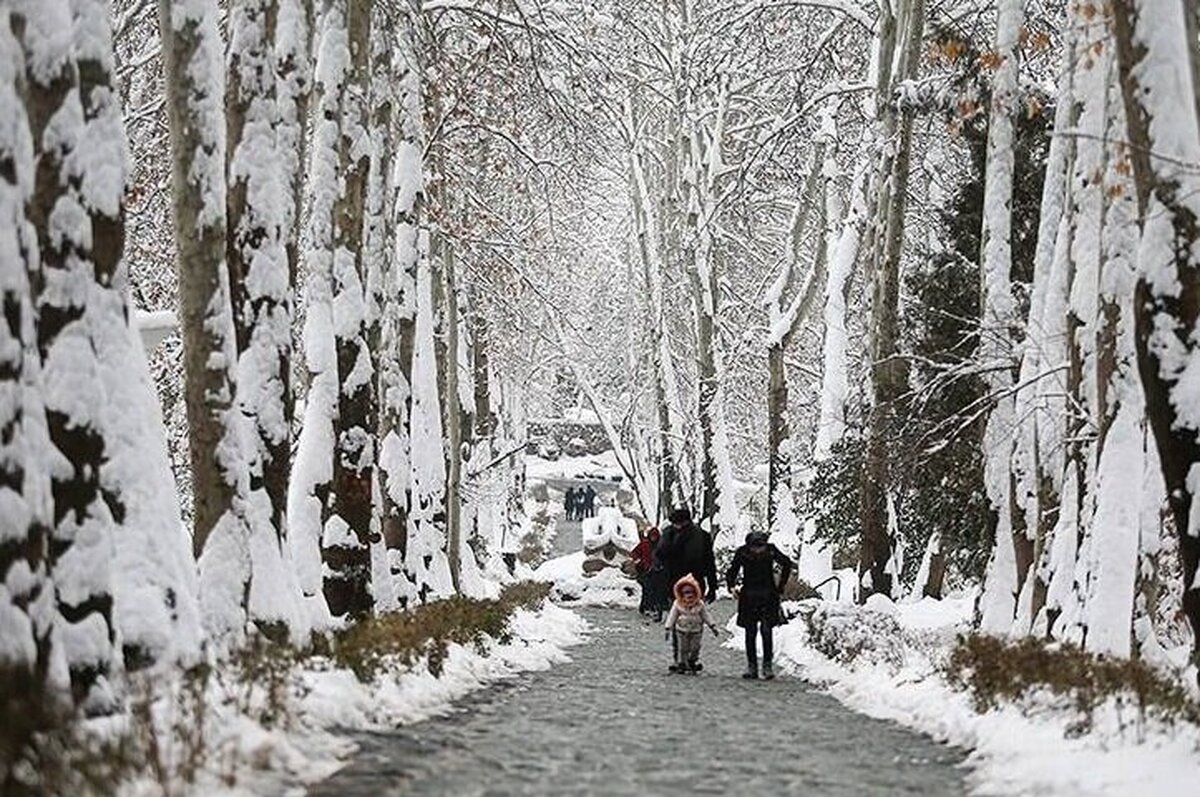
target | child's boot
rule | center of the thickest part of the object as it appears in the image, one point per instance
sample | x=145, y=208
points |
x=751, y=672
x=768, y=672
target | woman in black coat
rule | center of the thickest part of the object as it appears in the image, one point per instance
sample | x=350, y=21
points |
x=758, y=599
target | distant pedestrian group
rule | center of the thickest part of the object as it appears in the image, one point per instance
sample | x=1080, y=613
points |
x=580, y=502
x=678, y=574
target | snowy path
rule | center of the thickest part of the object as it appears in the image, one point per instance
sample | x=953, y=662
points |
x=613, y=721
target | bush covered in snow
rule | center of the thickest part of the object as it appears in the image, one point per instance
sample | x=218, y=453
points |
x=427, y=631
x=995, y=670
x=869, y=634
x=847, y=633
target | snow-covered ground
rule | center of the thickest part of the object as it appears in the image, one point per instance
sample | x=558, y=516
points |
x=609, y=587
x=1030, y=749
x=245, y=756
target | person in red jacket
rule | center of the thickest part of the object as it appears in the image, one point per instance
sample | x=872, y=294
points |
x=643, y=563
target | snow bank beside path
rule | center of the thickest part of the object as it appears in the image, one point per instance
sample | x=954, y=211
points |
x=896, y=674
x=609, y=587
x=325, y=704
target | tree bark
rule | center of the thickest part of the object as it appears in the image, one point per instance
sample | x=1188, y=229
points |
x=1007, y=572
x=260, y=277
x=87, y=513
x=1167, y=296
x=784, y=323
x=888, y=377
x=346, y=548
x=27, y=606
x=399, y=311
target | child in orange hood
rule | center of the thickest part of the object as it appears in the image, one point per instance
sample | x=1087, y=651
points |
x=687, y=619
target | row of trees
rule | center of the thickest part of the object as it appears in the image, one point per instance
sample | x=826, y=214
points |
x=1048, y=345
x=316, y=156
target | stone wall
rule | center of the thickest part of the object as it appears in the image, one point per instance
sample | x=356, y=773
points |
x=561, y=433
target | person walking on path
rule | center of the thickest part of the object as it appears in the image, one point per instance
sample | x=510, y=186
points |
x=589, y=501
x=569, y=501
x=686, y=549
x=685, y=623
x=642, y=557
x=758, y=599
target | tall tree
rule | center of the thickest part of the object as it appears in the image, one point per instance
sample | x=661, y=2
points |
x=785, y=319
x=346, y=543
x=1159, y=61
x=193, y=74
x=310, y=491
x=888, y=375
x=398, y=314
x=1014, y=553
x=27, y=605
x=70, y=279
x=255, y=252
x=154, y=598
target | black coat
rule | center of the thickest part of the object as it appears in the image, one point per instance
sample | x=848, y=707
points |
x=759, y=598
x=688, y=549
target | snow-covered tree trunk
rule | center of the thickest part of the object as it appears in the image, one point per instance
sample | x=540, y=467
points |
x=426, y=562
x=346, y=543
x=255, y=253
x=1067, y=593
x=1040, y=385
x=784, y=321
x=888, y=375
x=194, y=78
x=71, y=276
x=399, y=309
x=443, y=267
x=647, y=234
x=155, y=606
x=702, y=167
x=293, y=60
x=1158, y=55
x=1012, y=552
x=261, y=288
x=445, y=293
x=1120, y=443
x=27, y=604
x=377, y=258
x=481, y=367
x=843, y=254
x=312, y=472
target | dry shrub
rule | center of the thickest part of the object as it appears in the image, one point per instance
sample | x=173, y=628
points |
x=426, y=632
x=994, y=670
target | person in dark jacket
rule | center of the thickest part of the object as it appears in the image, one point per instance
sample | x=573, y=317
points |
x=758, y=599
x=685, y=549
x=569, y=501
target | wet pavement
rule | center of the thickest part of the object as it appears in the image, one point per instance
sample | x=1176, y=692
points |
x=613, y=721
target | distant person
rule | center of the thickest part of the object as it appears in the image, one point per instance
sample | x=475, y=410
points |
x=569, y=498
x=589, y=501
x=685, y=624
x=759, y=607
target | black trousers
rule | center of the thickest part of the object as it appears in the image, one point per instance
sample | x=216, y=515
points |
x=753, y=630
